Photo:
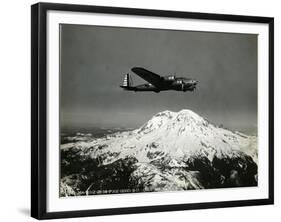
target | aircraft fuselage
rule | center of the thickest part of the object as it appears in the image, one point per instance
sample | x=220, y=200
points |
x=166, y=85
x=159, y=83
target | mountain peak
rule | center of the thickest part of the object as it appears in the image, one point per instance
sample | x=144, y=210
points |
x=166, y=113
x=188, y=115
x=185, y=113
x=172, y=119
x=182, y=115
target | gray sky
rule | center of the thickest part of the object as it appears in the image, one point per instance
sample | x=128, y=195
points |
x=94, y=60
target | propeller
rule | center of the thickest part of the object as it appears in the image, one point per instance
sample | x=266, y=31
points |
x=182, y=85
x=193, y=89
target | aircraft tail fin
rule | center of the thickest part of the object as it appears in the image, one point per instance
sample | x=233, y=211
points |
x=127, y=82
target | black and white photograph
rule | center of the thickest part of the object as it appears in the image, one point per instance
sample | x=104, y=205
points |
x=141, y=110
x=155, y=110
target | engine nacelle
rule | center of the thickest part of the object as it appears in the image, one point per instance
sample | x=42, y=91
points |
x=169, y=78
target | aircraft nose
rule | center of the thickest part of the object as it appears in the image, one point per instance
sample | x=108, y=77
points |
x=194, y=85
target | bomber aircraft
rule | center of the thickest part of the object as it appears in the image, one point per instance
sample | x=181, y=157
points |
x=157, y=83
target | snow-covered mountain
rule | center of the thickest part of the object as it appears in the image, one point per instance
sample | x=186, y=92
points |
x=172, y=151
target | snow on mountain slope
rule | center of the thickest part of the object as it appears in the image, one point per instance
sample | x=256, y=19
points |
x=180, y=135
x=176, y=150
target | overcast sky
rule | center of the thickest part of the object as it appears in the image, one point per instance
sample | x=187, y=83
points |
x=94, y=60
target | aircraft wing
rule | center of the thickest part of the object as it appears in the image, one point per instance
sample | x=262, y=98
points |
x=148, y=76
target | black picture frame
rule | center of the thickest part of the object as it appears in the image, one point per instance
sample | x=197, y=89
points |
x=39, y=109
